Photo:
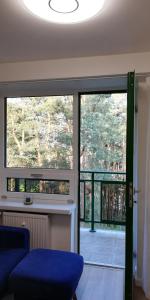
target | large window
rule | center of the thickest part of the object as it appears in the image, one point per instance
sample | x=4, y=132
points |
x=39, y=136
x=39, y=155
x=39, y=132
x=103, y=131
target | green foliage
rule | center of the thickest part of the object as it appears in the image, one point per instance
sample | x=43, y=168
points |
x=103, y=145
x=40, y=132
x=103, y=132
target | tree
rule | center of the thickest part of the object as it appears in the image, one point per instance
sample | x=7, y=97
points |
x=103, y=132
x=103, y=145
x=40, y=132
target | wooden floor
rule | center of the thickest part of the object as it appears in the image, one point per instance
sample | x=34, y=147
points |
x=98, y=283
x=101, y=283
x=138, y=294
x=104, y=283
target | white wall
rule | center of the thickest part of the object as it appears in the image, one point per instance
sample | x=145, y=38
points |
x=142, y=133
x=75, y=67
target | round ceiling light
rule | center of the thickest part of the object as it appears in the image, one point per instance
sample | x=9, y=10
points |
x=65, y=11
x=64, y=7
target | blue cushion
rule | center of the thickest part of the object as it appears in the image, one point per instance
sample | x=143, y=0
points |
x=14, y=237
x=8, y=260
x=47, y=274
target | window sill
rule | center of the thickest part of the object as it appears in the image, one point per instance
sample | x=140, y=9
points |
x=65, y=209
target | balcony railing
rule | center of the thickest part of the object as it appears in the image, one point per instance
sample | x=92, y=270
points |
x=102, y=197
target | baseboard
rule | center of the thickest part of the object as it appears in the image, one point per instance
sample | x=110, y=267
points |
x=138, y=283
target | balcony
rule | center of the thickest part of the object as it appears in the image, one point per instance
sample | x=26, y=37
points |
x=103, y=217
x=104, y=247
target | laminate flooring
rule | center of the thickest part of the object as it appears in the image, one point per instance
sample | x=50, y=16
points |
x=138, y=294
x=101, y=283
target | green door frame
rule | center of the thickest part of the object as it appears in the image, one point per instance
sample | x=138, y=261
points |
x=129, y=188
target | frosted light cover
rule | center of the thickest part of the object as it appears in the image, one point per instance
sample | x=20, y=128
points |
x=65, y=11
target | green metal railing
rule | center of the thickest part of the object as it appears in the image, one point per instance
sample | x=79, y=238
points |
x=102, y=197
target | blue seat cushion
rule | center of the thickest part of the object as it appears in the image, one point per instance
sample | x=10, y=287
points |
x=8, y=260
x=14, y=237
x=47, y=274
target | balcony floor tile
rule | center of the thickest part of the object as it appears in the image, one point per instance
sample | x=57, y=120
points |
x=103, y=247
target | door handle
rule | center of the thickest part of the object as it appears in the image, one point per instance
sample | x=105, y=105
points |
x=130, y=195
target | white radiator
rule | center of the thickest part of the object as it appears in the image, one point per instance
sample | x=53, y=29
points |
x=38, y=225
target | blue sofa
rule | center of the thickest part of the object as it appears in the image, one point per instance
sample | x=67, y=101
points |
x=46, y=274
x=14, y=245
x=41, y=274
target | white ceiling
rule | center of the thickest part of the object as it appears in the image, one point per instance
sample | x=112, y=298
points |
x=122, y=27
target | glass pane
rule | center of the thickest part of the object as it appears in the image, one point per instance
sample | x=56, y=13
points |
x=21, y=185
x=32, y=186
x=11, y=187
x=97, y=201
x=40, y=132
x=88, y=199
x=82, y=199
x=113, y=202
x=111, y=176
x=38, y=186
x=103, y=132
x=103, y=169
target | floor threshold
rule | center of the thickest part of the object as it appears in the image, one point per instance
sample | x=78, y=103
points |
x=104, y=265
